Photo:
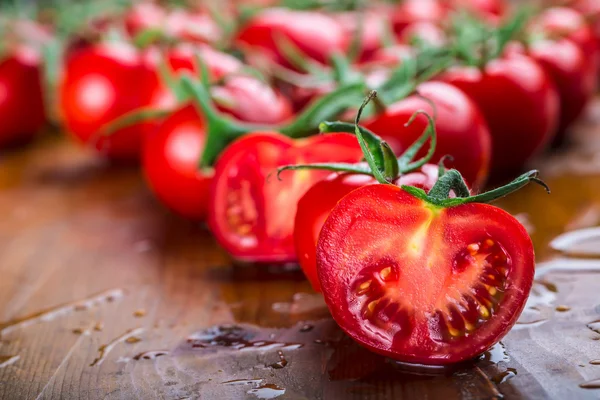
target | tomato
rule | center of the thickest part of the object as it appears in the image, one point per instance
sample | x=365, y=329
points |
x=170, y=162
x=373, y=26
x=461, y=130
x=143, y=16
x=314, y=208
x=591, y=9
x=421, y=283
x=314, y=34
x=566, y=23
x=21, y=98
x=101, y=83
x=519, y=103
x=252, y=216
x=411, y=11
x=251, y=100
x=575, y=77
x=491, y=10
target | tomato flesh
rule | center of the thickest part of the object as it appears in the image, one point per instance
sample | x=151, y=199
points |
x=252, y=212
x=423, y=284
x=314, y=208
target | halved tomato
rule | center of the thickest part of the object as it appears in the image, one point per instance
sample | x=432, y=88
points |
x=251, y=210
x=421, y=283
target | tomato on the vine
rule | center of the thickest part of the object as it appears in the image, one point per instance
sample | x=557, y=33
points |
x=252, y=211
x=314, y=34
x=519, y=103
x=314, y=208
x=101, y=83
x=420, y=282
x=461, y=130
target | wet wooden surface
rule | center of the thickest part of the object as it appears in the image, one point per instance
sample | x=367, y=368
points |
x=105, y=295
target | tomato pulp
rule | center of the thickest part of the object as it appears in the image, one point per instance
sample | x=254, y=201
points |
x=251, y=211
x=314, y=208
x=419, y=283
x=520, y=104
x=461, y=130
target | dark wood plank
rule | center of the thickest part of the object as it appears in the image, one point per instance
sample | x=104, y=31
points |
x=90, y=262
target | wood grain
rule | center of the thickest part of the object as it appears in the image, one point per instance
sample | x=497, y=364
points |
x=105, y=295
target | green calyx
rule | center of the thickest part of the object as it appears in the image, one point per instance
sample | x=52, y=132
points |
x=382, y=163
x=452, y=181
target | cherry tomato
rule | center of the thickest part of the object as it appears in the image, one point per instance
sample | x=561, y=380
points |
x=314, y=208
x=574, y=76
x=251, y=100
x=252, y=216
x=420, y=283
x=143, y=16
x=591, y=9
x=519, y=103
x=314, y=34
x=170, y=162
x=461, y=130
x=411, y=11
x=21, y=99
x=101, y=83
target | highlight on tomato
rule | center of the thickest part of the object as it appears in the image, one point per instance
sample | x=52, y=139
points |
x=424, y=277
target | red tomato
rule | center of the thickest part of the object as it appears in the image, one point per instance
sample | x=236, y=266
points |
x=143, y=16
x=492, y=10
x=170, y=162
x=251, y=100
x=314, y=34
x=575, y=77
x=591, y=9
x=22, y=112
x=251, y=216
x=101, y=83
x=519, y=103
x=314, y=208
x=461, y=130
x=563, y=22
x=373, y=26
x=411, y=11
x=420, y=283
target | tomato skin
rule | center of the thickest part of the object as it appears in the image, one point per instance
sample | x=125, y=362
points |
x=97, y=88
x=252, y=217
x=461, y=130
x=315, y=34
x=574, y=76
x=170, y=162
x=22, y=109
x=316, y=204
x=381, y=225
x=519, y=103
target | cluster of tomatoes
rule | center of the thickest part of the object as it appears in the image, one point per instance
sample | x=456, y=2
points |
x=222, y=108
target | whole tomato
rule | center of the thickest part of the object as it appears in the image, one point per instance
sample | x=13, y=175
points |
x=574, y=75
x=314, y=34
x=251, y=210
x=21, y=98
x=461, y=130
x=314, y=208
x=101, y=83
x=520, y=104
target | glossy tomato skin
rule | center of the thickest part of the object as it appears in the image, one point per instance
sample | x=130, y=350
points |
x=101, y=83
x=317, y=35
x=572, y=73
x=251, y=211
x=520, y=104
x=314, y=208
x=21, y=101
x=170, y=163
x=422, y=284
x=461, y=130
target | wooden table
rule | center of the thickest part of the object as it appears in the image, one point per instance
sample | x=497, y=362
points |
x=105, y=295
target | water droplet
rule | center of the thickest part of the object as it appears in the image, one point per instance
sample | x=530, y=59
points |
x=236, y=337
x=150, y=355
x=504, y=376
x=495, y=355
x=5, y=361
x=563, y=308
x=105, y=349
x=243, y=382
x=595, y=384
x=282, y=363
x=268, y=391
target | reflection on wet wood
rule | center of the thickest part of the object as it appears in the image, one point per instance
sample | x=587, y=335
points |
x=103, y=294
